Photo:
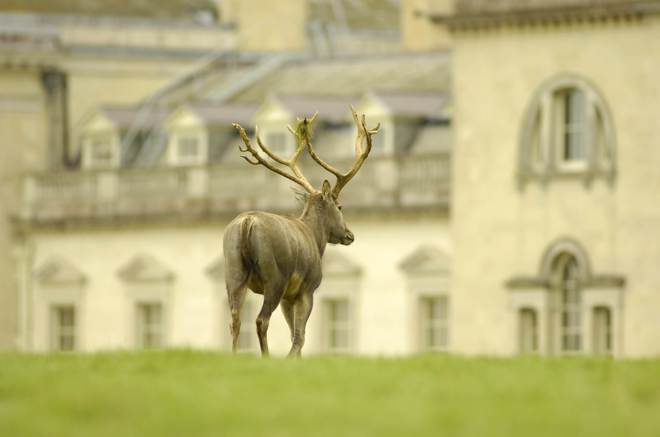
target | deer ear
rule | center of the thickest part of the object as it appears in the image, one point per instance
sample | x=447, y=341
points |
x=326, y=189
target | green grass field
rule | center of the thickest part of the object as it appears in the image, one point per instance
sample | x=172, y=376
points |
x=185, y=393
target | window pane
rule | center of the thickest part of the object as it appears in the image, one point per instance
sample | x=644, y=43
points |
x=188, y=147
x=572, y=124
x=602, y=328
x=434, y=325
x=150, y=325
x=64, y=328
x=101, y=151
x=338, y=325
x=528, y=331
x=276, y=141
x=571, y=308
x=247, y=336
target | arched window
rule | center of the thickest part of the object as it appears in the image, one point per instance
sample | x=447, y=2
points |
x=567, y=130
x=528, y=331
x=569, y=297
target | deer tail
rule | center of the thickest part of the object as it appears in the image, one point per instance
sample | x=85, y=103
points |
x=246, y=231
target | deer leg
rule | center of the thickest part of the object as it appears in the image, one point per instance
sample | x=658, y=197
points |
x=271, y=300
x=287, y=310
x=301, y=311
x=236, y=298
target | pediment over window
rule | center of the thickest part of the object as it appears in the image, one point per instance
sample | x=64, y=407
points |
x=337, y=264
x=145, y=268
x=216, y=269
x=426, y=259
x=58, y=271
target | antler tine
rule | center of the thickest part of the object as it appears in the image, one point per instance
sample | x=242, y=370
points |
x=297, y=177
x=360, y=156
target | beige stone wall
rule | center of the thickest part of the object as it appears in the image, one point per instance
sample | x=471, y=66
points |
x=499, y=231
x=265, y=25
x=22, y=129
x=198, y=313
x=418, y=32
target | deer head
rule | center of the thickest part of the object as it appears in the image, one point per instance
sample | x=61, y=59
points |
x=323, y=204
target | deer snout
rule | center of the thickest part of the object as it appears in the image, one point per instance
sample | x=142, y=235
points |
x=348, y=238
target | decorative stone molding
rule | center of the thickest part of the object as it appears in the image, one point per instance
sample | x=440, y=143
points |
x=539, y=131
x=145, y=268
x=542, y=293
x=58, y=271
x=426, y=259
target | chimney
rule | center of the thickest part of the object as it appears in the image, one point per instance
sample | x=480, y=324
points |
x=418, y=32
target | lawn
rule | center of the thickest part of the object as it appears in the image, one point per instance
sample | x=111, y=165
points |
x=186, y=393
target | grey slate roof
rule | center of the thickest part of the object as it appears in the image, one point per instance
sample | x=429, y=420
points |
x=224, y=113
x=330, y=108
x=413, y=104
x=351, y=76
x=125, y=116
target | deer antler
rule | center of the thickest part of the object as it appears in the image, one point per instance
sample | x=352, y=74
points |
x=363, y=133
x=292, y=163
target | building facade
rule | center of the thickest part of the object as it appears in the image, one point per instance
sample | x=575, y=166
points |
x=555, y=180
x=508, y=205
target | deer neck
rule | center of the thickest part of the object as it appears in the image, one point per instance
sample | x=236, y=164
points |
x=316, y=222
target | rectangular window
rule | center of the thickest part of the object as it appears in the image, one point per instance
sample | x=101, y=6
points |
x=150, y=325
x=571, y=112
x=337, y=325
x=434, y=312
x=528, y=326
x=277, y=143
x=379, y=141
x=602, y=329
x=247, y=337
x=101, y=151
x=188, y=149
x=63, y=326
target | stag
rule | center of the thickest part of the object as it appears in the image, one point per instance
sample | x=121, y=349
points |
x=280, y=257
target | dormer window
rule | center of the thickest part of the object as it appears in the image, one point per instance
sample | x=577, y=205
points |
x=187, y=148
x=278, y=143
x=100, y=151
x=567, y=131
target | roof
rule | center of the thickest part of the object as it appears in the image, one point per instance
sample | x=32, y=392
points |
x=472, y=6
x=223, y=113
x=352, y=76
x=473, y=14
x=128, y=116
x=413, y=104
x=167, y=9
x=330, y=108
x=358, y=15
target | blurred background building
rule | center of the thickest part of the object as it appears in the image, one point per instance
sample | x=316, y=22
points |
x=509, y=205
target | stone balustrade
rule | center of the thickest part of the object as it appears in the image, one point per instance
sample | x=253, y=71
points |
x=401, y=182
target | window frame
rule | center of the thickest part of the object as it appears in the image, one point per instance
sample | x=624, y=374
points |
x=90, y=141
x=329, y=325
x=598, y=135
x=424, y=323
x=140, y=329
x=56, y=329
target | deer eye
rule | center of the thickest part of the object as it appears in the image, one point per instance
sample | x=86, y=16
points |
x=339, y=207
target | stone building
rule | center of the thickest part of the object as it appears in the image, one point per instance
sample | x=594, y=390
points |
x=555, y=212
x=508, y=205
